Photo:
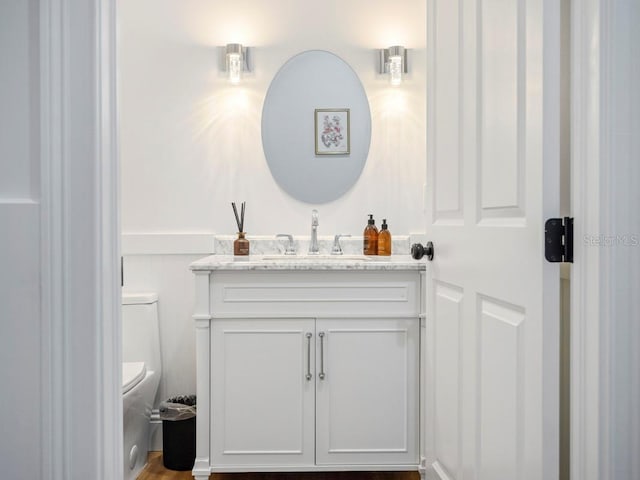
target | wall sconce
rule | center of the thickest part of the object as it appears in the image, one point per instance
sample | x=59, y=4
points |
x=393, y=60
x=237, y=61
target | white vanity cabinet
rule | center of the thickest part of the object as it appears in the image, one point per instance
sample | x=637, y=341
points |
x=303, y=370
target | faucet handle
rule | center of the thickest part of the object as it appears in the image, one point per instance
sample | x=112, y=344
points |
x=336, y=249
x=291, y=248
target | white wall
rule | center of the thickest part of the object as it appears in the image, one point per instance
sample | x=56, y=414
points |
x=191, y=143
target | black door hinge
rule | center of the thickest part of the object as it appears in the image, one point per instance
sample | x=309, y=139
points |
x=558, y=240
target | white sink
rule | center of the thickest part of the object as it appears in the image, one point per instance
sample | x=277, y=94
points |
x=315, y=258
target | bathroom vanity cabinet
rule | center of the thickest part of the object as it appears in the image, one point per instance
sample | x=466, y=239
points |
x=303, y=369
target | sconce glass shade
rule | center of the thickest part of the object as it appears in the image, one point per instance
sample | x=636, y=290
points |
x=234, y=62
x=393, y=60
x=395, y=70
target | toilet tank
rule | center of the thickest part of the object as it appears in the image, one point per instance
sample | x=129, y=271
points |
x=140, y=330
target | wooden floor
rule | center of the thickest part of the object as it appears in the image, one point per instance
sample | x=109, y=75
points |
x=156, y=471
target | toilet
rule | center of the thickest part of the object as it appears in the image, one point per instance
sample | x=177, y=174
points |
x=141, y=370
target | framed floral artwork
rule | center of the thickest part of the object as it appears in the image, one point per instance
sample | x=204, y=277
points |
x=332, y=131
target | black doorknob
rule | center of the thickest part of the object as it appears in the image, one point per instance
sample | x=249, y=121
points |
x=418, y=251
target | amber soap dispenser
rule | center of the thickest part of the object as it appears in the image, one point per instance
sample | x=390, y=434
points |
x=384, y=239
x=370, y=240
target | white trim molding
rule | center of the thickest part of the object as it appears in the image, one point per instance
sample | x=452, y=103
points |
x=586, y=352
x=80, y=329
x=605, y=116
x=109, y=373
x=55, y=450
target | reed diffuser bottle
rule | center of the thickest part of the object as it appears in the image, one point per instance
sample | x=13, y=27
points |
x=241, y=244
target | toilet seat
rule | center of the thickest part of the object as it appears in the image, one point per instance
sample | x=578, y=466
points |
x=132, y=374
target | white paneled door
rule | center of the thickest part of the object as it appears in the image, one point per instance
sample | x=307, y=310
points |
x=492, y=315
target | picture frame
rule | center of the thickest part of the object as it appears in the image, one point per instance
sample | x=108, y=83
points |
x=332, y=131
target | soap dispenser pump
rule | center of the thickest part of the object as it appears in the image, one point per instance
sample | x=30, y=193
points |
x=370, y=238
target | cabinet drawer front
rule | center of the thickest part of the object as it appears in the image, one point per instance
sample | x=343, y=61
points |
x=314, y=294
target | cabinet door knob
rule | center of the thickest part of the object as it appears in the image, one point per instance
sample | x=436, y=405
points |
x=321, y=374
x=308, y=376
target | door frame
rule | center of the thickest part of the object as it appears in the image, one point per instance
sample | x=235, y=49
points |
x=80, y=326
x=598, y=207
x=585, y=349
x=590, y=311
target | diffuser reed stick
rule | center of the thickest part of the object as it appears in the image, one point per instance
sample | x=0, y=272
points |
x=235, y=212
x=239, y=219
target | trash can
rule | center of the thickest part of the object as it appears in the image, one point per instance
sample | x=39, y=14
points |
x=178, y=415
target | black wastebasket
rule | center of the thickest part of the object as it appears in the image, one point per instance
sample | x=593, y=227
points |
x=178, y=415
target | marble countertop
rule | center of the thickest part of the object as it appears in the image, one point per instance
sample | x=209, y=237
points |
x=308, y=262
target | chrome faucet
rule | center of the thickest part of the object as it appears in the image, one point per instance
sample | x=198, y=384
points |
x=313, y=244
x=337, y=249
x=291, y=247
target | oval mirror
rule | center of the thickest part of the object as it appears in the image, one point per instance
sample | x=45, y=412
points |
x=316, y=127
